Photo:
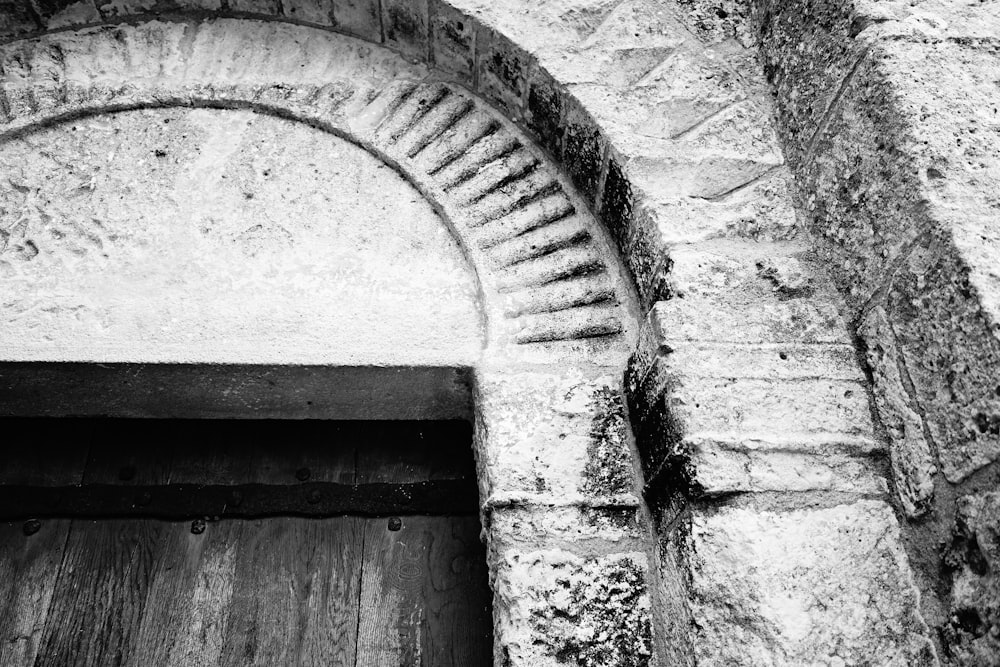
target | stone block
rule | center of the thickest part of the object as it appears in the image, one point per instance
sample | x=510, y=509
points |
x=951, y=355
x=554, y=437
x=544, y=116
x=913, y=463
x=720, y=435
x=316, y=12
x=973, y=634
x=405, y=26
x=359, y=17
x=740, y=292
x=827, y=586
x=63, y=13
x=583, y=149
x=453, y=41
x=550, y=525
x=503, y=70
x=808, y=52
x=17, y=19
x=555, y=608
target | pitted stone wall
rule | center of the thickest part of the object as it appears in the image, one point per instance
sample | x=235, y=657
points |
x=776, y=543
x=888, y=116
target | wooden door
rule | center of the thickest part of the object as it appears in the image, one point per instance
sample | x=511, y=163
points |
x=277, y=575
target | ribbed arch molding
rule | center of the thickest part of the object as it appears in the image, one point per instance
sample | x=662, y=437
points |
x=547, y=271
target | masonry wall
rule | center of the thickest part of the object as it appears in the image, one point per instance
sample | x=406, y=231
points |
x=888, y=116
x=777, y=479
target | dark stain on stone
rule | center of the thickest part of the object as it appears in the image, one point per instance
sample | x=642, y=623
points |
x=583, y=155
x=545, y=115
x=17, y=19
x=608, y=471
x=987, y=424
x=617, y=203
x=403, y=25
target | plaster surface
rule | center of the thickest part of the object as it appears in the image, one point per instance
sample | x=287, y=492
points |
x=222, y=235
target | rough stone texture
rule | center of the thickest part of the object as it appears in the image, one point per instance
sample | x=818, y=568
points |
x=973, y=633
x=888, y=118
x=758, y=598
x=548, y=437
x=556, y=608
x=747, y=380
x=668, y=134
x=96, y=267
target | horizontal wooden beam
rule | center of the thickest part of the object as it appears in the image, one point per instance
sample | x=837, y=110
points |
x=193, y=501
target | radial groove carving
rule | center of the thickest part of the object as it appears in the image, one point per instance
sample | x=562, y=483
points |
x=544, y=265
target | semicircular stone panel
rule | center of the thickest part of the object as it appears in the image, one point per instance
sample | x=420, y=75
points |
x=548, y=274
x=211, y=234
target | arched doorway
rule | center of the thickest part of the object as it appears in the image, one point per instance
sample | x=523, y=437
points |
x=543, y=321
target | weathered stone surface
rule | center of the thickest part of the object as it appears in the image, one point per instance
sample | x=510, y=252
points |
x=724, y=292
x=405, y=27
x=973, y=634
x=769, y=588
x=533, y=525
x=553, y=437
x=453, y=40
x=195, y=235
x=913, y=463
x=554, y=608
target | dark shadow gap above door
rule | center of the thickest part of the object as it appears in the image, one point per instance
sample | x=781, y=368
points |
x=178, y=469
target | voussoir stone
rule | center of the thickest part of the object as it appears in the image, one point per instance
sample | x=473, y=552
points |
x=770, y=588
x=557, y=608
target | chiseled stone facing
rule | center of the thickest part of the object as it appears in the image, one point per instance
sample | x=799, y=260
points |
x=747, y=379
x=912, y=460
x=553, y=436
x=553, y=607
x=901, y=175
x=973, y=634
x=807, y=587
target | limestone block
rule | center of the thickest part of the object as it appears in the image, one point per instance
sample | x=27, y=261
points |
x=952, y=356
x=503, y=70
x=537, y=525
x=62, y=13
x=453, y=41
x=405, y=26
x=583, y=149
x=718, y=417
x=16, y=19
x=808, y=53
x=317, y=12
x=359, y=17
x=973, y=634
x=553, y=607
x=728, y=291
x=555, y=437
x=815, y=586
x=913, y=465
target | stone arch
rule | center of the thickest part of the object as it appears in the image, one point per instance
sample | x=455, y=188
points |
x=545, y=266
x=672, y=144
x=553, y=447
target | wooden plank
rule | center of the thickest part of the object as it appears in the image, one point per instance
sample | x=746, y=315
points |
x=129, y=452
x=295, y=593
x=292, y=452
x=28, y=569
x=99, y=593
x=45, y=452
x=425, y=599
x=415, y=451
x=184, y=617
